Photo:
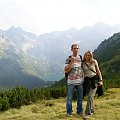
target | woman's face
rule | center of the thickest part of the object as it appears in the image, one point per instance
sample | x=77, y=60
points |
x=87, y=56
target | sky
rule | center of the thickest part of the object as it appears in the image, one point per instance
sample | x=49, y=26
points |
x=44, y=16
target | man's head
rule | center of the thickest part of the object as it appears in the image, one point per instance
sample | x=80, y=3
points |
x=75, y=49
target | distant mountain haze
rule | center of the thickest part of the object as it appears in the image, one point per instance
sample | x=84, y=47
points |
x=108, y=56
x=17, y=68
x=47, y=53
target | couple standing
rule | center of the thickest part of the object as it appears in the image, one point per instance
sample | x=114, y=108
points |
x=81, y=71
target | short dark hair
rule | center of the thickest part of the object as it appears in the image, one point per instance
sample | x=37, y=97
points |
x=74, y=45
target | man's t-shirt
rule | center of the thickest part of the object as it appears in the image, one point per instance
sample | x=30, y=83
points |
x=75, y=75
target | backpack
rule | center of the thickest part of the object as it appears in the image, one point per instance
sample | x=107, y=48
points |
x=66, y=74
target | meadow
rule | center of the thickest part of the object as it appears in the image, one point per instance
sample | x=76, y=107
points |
x=107, y=108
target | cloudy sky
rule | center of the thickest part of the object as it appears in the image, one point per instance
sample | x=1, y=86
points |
x=41, y=16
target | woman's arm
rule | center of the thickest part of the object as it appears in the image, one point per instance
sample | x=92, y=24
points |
x=99, y=73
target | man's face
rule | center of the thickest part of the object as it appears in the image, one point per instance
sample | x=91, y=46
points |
x=75, y=49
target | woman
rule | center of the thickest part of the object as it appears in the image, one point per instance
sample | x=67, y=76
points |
x=91, y=73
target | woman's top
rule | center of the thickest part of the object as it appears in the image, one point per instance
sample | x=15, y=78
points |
x=92, y=66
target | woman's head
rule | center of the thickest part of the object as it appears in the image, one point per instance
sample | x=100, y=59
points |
x=88, y=56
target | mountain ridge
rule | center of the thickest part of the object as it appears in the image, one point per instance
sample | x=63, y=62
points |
x=17, y=68
x=108, y=56
x=53, y=48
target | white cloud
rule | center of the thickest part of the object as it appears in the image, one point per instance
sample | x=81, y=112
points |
x=39, y=16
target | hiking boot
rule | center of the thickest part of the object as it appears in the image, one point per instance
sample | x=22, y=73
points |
x=69, y=115
x=80, y=114
x=92, y=111
x=86, y=117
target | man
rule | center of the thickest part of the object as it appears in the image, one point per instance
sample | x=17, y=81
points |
x=74, y=80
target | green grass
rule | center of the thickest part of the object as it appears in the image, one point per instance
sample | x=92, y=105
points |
x=107, y=108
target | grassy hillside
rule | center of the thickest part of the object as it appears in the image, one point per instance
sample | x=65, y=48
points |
x=107, y=108
x=108, y=56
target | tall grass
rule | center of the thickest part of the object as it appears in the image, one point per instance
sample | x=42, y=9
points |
x=107, y=108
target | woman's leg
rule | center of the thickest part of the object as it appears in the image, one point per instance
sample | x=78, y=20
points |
x=90, y=101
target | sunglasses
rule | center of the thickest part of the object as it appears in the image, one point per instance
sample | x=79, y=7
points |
x=75, y=48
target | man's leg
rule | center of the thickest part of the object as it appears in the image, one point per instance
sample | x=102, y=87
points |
x=69, y=99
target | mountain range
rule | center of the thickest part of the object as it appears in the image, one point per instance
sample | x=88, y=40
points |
x=42, y=57
x=108, y=56
x=17, y=68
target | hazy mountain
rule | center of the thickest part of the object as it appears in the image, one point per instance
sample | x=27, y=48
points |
x=54, y=47
x=20, y=38
x=17, y=68
x=108, y=56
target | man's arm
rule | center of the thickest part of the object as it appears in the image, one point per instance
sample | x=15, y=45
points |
x=69, y=66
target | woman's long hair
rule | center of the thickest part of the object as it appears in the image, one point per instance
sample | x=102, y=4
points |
x=91, y=56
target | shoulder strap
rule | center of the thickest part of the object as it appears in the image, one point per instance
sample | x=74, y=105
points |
x=89, y=68
x=69, y=58
x=80, y=57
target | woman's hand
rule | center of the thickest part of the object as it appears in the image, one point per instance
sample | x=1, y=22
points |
x=100, y=83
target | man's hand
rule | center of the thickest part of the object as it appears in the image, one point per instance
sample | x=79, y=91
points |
x=72, y=60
